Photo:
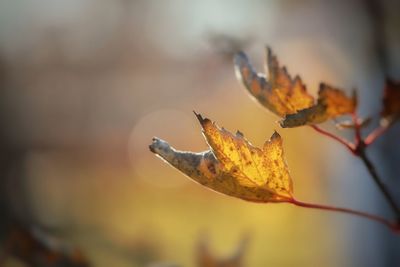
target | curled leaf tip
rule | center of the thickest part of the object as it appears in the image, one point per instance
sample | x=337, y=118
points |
x=275, y=135
x=152, y=145
x=200, y=118
x=240, y=59
x=158, y=145
x=197, y=114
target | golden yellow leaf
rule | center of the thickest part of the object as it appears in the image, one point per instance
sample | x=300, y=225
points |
x=233, y=166
x=280, y=93
x=331, y=103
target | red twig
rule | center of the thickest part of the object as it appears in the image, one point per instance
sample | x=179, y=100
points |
x=344, y=142
x=395, y=227
x=357, y=130
x=375, y=134
x=360, y=152
x=378, y=181
x=358, y=149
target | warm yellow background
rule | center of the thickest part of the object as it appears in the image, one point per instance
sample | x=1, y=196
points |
x=89, y=83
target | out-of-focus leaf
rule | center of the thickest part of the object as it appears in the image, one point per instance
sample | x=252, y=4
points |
x=391, y=101
x=233, y=166
x=35, y=248
x=280, y=93
x=332, y=102
x=206, y=258
x=349, y=124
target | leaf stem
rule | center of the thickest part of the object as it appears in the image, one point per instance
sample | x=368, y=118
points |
x=358, y=149
x=375, y=134
x=360, y=152
x=344, y=142
x=395, y=227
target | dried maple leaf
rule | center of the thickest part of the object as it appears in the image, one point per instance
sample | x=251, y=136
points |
x=36, y=248
x=288, y=97
x=391, y=101
x=233, y=166
x=280, y=93
x=331, y=103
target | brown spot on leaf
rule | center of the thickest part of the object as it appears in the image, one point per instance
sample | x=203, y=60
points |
x=211, y=168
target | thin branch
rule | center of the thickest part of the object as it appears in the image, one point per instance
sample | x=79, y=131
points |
x=379, y=183
x=344, y=142
x=358, y=149
x=395, y=227
x=360, y=152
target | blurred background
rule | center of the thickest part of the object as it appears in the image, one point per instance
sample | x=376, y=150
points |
x=85, y=85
